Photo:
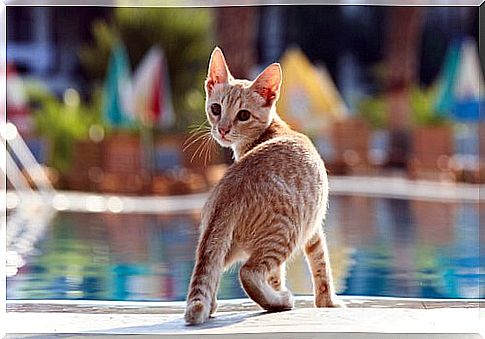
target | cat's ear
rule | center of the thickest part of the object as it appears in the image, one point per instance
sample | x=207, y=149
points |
x=268, y=83
x=218, y=72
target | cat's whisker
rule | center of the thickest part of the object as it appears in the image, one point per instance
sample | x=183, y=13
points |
x=191, y=136
x=204, y=153
x=208, y=152
x=199, y=137
x=194, y=128
x=204, y=140
x=211, y=149
x=205, y=150
x=192, y=142
x=198, y=131
x=194, y=134
x=202, y=150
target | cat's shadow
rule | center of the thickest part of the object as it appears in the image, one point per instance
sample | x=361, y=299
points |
x=178, y=325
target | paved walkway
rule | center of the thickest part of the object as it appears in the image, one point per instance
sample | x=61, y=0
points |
x=364, y=318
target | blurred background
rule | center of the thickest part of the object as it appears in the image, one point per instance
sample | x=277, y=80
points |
x=106, y=176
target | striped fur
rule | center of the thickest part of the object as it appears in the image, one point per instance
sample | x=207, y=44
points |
x=270, y=203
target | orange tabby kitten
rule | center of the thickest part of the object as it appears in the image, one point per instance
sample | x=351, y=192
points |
x=269, y=204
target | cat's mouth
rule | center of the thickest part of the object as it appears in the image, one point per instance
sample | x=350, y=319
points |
x=224, y=141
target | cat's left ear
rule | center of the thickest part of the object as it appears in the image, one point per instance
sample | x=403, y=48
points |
x=218, y=71
x=268, y=83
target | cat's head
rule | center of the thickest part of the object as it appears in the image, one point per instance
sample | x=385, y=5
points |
x=239, y=111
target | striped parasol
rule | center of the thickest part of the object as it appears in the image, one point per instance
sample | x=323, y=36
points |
x=151, y=99
x=309, y=100
x=459, y=83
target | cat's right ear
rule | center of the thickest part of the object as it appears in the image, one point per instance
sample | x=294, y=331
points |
x=218, y=72
x=268, y=83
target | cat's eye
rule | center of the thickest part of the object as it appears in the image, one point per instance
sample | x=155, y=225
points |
x=243, y=115
x=216, y=109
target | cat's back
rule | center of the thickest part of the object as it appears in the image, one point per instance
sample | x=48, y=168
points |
x=287, y=164
x=281, y=178
x=291, y=153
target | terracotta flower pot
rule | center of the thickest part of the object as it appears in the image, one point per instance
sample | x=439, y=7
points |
x=123, y=165
x=122, y=154
x=350, y=139
x=85, y=173
x=432, y=148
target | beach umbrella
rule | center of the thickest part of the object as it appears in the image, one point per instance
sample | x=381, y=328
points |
x=151, y=99
x=118, y=89
x=460, y=81
x=309, y=100
x=444, y=102
x=335, y=103
x=167, y=116
x=468, y=83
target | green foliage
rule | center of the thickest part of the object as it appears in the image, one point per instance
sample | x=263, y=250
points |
x=422, y=103
x=62, y=122
x=184, y=34
x=95, y=57
x=374, y=110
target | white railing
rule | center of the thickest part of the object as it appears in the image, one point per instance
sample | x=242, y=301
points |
x=32, y=211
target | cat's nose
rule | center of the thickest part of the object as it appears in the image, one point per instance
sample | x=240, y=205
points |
x=223, y=130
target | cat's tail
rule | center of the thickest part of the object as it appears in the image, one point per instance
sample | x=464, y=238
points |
x=212, y=249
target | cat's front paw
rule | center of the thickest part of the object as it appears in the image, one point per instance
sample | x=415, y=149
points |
x=197, y=312
x=337, y=304
x=329, y=302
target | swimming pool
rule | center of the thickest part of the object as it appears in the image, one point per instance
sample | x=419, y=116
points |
x=378, y=246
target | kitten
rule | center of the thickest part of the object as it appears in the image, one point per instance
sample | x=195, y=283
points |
x=269, y=204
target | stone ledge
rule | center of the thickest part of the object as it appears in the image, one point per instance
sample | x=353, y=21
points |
x=364, y=318
x=148, y=307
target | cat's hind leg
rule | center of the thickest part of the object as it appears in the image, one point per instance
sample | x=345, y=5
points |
x=205, y=277
x=277, y=278
x=232, y=256
x=254, y=276
x=317, y=257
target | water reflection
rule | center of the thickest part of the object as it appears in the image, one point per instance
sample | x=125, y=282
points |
x=384, y=247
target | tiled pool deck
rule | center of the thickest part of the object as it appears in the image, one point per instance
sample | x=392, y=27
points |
x=363, y=318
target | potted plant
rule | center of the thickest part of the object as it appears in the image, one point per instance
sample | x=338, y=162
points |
x=432, y=137
x=350, y=140
x=85, y=169
x=61, y=123
x=373, y=110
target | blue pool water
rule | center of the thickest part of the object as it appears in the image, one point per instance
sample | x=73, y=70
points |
x=379, y=247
